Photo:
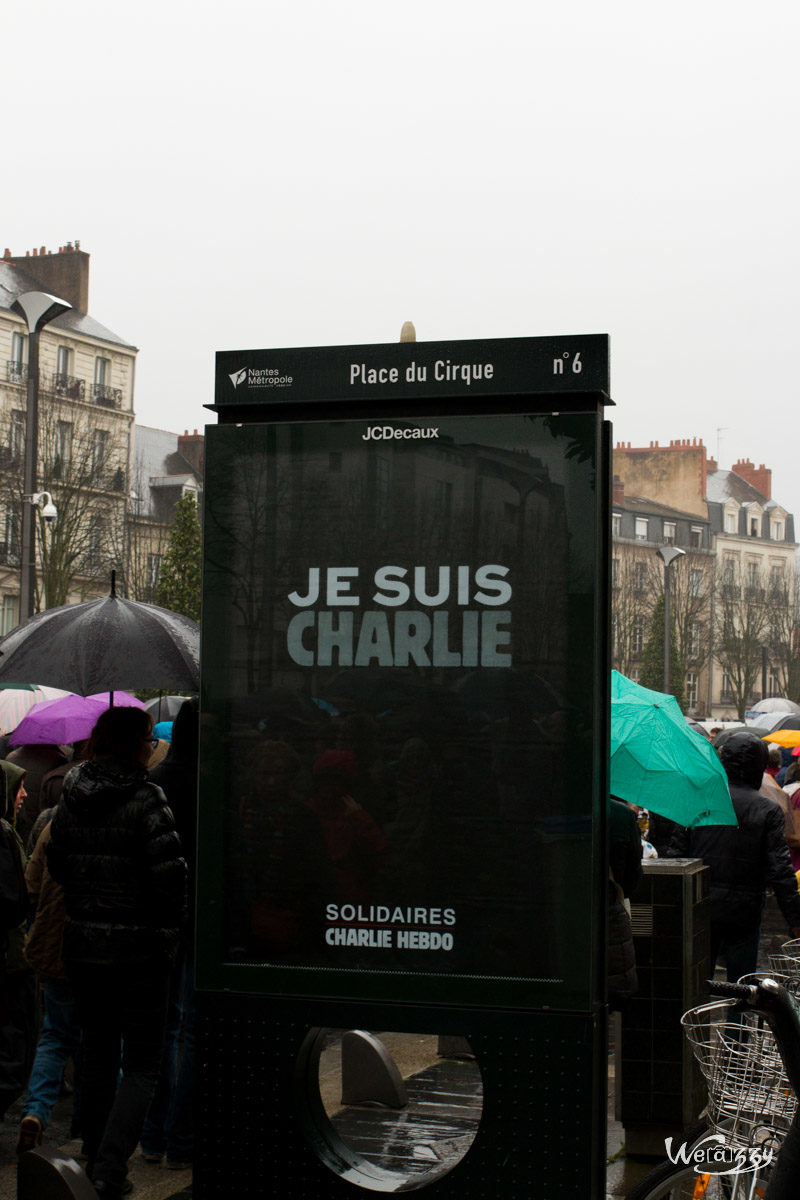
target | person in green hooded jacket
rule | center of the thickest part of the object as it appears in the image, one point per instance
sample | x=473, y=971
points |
x=18, y=986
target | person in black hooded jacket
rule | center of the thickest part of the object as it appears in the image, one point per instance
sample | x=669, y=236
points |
x=743, y=860
x=115, y=851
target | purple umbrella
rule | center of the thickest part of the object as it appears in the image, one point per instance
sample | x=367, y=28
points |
x=68, y=719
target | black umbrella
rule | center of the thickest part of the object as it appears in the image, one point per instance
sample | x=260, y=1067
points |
x=105, y=645
x=165, y=708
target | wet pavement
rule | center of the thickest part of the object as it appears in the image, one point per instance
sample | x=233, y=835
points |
x=150, y=1181
x=433, y=1132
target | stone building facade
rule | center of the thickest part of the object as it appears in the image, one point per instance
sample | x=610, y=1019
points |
x=734, y=591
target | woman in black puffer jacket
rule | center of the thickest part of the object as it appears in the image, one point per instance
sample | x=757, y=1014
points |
x=115, y=851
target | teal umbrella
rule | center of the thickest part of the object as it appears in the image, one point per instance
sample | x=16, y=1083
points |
x=659, y=763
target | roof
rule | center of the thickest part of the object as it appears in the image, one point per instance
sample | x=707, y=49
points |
x=14, y=282
x=642, y=505
x=172, y=480
x=727, y=485
x=157, y=463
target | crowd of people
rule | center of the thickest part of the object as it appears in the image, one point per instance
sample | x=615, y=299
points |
x=760, y=853
x=97, y=853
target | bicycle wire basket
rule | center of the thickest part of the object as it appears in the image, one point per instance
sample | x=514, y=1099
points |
x=750, y=1100
x=787, y=961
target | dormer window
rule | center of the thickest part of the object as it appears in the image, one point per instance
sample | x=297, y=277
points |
x=776, y=531
x=731, y=522
x=670, y=532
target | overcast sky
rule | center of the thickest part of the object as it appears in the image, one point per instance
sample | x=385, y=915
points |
x=307, y=173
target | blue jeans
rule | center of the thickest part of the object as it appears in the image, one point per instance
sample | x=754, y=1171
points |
x=169, y=1128
x=60, y=1038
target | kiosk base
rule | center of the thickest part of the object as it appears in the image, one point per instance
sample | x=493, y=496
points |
x=261, y=1129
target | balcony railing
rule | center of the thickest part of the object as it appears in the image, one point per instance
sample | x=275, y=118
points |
x=16, y=372
x=69, y=386
x=108, y=397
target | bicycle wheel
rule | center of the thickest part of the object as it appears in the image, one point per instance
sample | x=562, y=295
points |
x=671, y=1181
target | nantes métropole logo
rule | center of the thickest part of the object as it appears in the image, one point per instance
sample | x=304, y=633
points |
x=260, y=377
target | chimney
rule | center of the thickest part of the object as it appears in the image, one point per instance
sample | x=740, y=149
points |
x=618, y=491
x=65, y=274
x=758, y=477
x=192, y=447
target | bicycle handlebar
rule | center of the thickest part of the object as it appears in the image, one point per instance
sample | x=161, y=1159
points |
x=733, y=991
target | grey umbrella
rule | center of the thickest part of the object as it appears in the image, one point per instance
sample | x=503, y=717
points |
x=105, y=645
x=165, y=708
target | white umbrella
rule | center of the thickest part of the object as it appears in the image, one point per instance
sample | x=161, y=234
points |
x=776, y=704
x=16, y=701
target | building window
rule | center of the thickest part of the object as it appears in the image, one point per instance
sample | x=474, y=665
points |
x=153, y=569
x=776, y=531
x=10, y=521
x=63, y=360
x=615, y=572
x=774, y=683
x=102, y=371
x=695, y=581
x=694, y=640
x=98, y=540
x=8, y=614
x=100, y=442
x=16, y=368
x=637, y=644
x=754, y=530
x=670, y=531
x=641, y=529
x=63, y=449
x=731, y=523
x=776, y=579
x=616, y=524
x=727, y=690
x=16, y=433
x=639, y=576
x=691, y=689
x=752, y=576
x=696, y=537
x=635, y=674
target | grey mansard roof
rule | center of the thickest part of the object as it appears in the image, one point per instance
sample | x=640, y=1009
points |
x=158, y=467
x=14, y=281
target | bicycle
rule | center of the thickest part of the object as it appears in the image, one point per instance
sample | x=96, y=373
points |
x=748, y=1144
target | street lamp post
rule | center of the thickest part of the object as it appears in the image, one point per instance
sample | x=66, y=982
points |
x=667, y=554
x=37, y=309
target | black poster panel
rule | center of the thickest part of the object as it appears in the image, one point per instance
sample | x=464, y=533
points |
x=400, y=715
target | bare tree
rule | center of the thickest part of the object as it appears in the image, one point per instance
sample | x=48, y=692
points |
x=636, y=585
x=84, y=466
x=743, y=619
x=783, y=600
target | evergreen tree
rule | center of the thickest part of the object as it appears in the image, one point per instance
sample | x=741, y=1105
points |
x=652, y=671
x=178, y=586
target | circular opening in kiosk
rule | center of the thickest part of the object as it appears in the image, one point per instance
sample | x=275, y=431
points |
x=389, y=1111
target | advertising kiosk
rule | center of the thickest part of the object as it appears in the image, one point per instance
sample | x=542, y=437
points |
x=405, y=590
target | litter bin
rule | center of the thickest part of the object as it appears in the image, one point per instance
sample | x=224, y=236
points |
x=659, y=1087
